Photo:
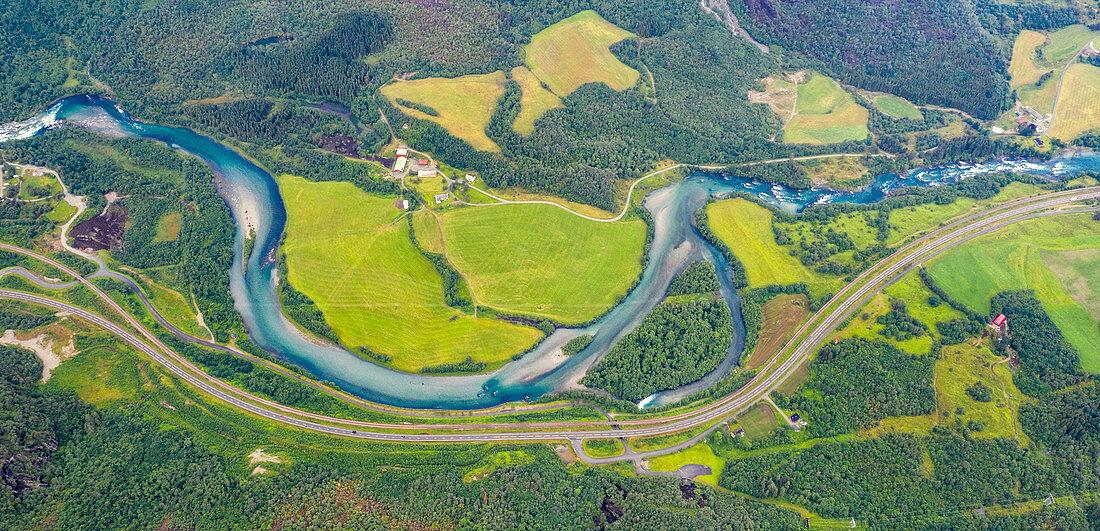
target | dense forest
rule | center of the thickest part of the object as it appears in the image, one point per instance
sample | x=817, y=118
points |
x=154, y=181
x=1047, y=361
x=858, y=382
x=699, y=277
x=71, y=466
x=676, y=344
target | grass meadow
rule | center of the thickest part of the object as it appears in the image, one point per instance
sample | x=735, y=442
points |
x=576, y=51
x=759, y=421
x=897, y=107
x=1054, y=256
x=541, y=260
x=747, y=228
x=534, y=102
x=1022, y=69
x=465, y=104
x=1079, y=104
x=603, y=447
x=1063, y=44
x=825, y=114
x=348, y=251
x=781, y=317
x=700, y=454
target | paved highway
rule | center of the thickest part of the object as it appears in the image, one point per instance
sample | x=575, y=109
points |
x=770, y=376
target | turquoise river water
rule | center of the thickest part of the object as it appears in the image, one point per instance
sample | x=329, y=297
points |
x=253, y=194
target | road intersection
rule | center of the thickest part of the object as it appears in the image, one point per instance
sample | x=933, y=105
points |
x=805, y=341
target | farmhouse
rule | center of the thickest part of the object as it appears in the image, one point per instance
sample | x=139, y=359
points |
x=439, y=198
x=427, y=172
x=470, y=178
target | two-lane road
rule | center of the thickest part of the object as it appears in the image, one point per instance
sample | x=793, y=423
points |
x=772, y=375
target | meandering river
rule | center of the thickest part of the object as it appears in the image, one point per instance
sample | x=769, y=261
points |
x=253, y=197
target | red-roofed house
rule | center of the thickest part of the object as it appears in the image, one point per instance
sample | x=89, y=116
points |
x=1000, y=320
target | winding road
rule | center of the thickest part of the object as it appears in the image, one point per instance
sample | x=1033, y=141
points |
x=797, y=351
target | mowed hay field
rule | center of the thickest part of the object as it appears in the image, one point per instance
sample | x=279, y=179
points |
x=747, y=228
x=465, y=104
x=825, y=114
x=541, y=260
x=1063, y=44
x=374, y=288
x=1079, y=104
x=575, y=51
x=1022, y=69
x=1054, y=256
x=535, y=101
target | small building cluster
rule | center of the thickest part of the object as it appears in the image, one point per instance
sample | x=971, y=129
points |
x=402, y=161
x=999, y=326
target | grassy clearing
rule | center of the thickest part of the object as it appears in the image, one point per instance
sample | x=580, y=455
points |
x=168, y=227
x=958, y=368
x=699, y=454
x=61, y=212
x=1023, y=257
x=348, y=252
x=1022, y=69
x=175, y=308
x=1063, y=44
x=897, y=107
x=1040, y=98
x=534, y=102
x=905, y=222
x=1079, y=104
x=541, y=260
x=781, y=318
x=747, y=228
x=603, y=447
x=846, y=173
x=825, y=114
x=576, y=51
x=427, y=231
x=759, y=421
x=465, y=103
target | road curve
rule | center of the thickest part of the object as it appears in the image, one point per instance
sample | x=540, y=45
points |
x=626, y=205
x=727, y=407
x=1062, y=78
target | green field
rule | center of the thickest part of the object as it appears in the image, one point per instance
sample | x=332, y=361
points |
x=1022, y=69
x=168, y=227
x=38, y=186
x=700, y=454
x=897, y=107
x=348, y=251
x=541, y=260
x=747, y=228
x=759, y=421
x=465, y=104
x=1063, y=44
x=576, y=51
x=536, y=100
x=428, y=234
x=1040, y=98
x=603, y=447
x=1025, y=256
x=907, y=221
x=825, y=114
x=1079, y=104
